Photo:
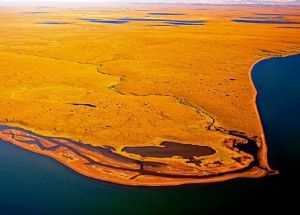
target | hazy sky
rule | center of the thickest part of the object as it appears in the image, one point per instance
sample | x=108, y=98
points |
x=161, y=1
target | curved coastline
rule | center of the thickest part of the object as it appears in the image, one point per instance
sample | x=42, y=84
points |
x=108, y=166
x=168, y=179
x=263, y=149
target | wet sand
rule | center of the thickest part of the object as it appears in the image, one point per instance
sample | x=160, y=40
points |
x=23, y=170
x=136, y=91
x=103, y=163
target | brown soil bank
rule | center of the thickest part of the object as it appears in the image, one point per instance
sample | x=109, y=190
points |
x=103, y=163
x=120, y=90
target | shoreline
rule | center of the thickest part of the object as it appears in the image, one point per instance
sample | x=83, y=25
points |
x=156, y=180
x=263, y=151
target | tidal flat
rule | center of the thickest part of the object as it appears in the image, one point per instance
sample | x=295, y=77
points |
x=50, y=185
x=97, y=95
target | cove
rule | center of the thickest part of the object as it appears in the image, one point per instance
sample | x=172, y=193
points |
x=34, y=184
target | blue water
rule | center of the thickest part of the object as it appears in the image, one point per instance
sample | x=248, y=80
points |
x=105, y=21
x=168, y=22
x=34, y=184
x=261, y=17
x=264, y=18
x=265, y=21
x=279, y=104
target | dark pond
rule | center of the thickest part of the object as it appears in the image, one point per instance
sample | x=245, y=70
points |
x=263, y=18
x=117, y=21
x=34, y=184
x=266, y=21
x=170, y=149
x=160, y=21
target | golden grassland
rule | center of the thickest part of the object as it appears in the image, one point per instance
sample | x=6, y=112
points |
x=149, y=84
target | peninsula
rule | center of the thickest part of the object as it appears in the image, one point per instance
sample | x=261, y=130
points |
x=141, y=95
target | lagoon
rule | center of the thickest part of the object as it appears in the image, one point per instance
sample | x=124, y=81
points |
x=34, y=184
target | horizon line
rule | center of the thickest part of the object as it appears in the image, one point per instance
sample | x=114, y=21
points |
x=149, y=3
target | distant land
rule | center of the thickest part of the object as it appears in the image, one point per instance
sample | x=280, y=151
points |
x=88, y=2
x=142, y=95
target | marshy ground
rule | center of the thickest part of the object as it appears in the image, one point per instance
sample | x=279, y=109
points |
x=127, y=80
